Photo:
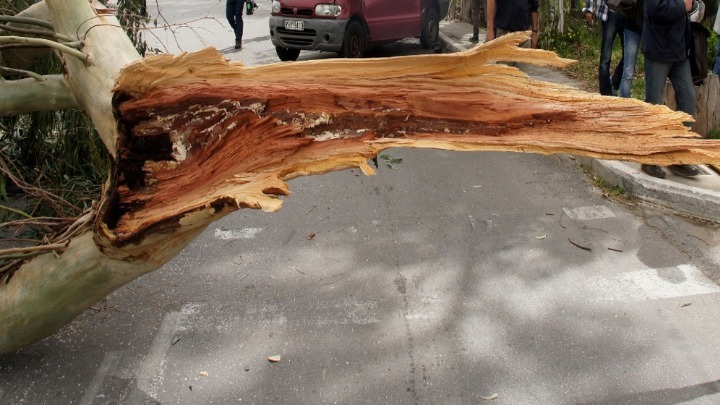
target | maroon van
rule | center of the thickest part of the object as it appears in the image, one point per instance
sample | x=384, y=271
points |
x=349, y=27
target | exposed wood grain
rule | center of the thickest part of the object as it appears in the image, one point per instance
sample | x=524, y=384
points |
x=209, y=133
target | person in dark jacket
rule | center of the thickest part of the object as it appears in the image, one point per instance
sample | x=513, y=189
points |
x=666, y=40
x=505, y=16
x=234, y=15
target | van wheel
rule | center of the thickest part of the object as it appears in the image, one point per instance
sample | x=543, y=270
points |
x=430, y=29
x=354, y=41
x=286, y=54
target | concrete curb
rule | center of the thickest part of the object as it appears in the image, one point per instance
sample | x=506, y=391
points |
x=693, y=201
x=696, y=202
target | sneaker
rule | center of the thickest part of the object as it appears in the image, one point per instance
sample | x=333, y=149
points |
x=684, y=170
x=474, y=38
x=652, y=170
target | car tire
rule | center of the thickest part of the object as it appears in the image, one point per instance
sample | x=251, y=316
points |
x=354, y=41
x=430, y=29
x=286, y=54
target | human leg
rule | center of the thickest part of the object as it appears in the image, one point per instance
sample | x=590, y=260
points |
x=230, y=12
x=630, y=52
x=233, y=13
x=620, y=67
x=610, y=29
x=476, y=20
x=680, y=76
x=655, y=75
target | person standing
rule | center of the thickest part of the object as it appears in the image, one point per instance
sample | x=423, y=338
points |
x=666, y=40
x=612, y=26
x=632, y=32
x=504, y=16
x=234, y=15
x=475, y=11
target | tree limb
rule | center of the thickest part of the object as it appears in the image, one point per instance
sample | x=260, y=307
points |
x=26, y=21
x=27, y=95
x=41, y=42
x=44, y=33
x=194, y=137
x=24, y=58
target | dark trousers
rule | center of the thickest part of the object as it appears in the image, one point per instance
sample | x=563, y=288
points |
x=233, y=13
x=477, y=13
x=610, y=29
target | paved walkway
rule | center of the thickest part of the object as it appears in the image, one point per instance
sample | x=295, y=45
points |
x=698, y=197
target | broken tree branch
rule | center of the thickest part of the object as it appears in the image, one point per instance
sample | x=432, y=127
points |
x=41, y=42
x=194, y=138
x=27, y=95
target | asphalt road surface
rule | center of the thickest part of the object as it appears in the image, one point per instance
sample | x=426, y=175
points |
x=447, y=278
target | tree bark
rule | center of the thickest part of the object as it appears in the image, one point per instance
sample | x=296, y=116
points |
x=28, y=95
x=194, y=137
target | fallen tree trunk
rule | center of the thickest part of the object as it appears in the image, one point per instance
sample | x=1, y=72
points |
x=195, y=137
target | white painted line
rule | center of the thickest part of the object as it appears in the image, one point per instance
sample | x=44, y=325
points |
x=233, y=234
x=149, y=372
x=669, y=282
x=108, y=366
x=587, y=213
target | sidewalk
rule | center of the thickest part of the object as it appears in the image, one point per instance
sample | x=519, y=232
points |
x=697, y=197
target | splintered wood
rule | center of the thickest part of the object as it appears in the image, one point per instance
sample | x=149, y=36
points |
x=203, y=134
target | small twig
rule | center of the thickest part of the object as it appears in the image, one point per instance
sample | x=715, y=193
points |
x=615, y=250
x=32, y=249
x=14, y=211
x=700, y=239
x=44, y=33
x=18, y=240
x=56, y=200
x=26, y=21
x=25, y=73
x=46, y=43
x=594, y=229
x=580, y=246
x=20, y=255
x=296, y=269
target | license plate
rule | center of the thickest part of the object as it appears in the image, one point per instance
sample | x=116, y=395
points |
x=294, y=25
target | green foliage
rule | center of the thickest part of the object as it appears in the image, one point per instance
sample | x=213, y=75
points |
x=132, y=14
x=712, y=48
x=59, y=151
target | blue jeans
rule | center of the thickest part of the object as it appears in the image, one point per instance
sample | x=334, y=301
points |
x=716, y=68
x=610, y=28
x=681, y=78
x=233, y=13
x=630, y=53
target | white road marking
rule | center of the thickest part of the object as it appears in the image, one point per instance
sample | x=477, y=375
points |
x=108, y=366
x=669, y=282
x=233, y=234
x=149, y=373
x=587, y=213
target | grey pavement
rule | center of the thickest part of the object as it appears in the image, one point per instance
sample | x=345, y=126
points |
x=697, y=197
